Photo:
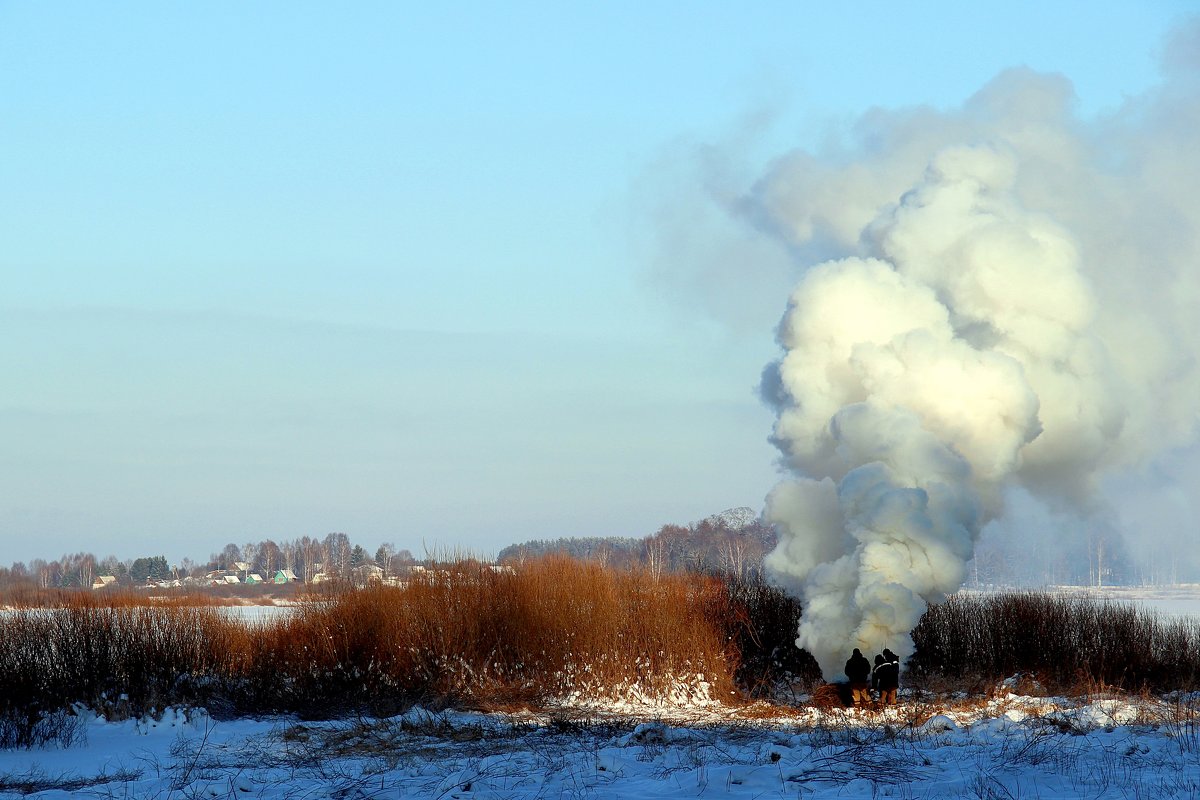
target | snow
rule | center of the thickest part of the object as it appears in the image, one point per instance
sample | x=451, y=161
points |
x=733, y=518
x=1009, y=745
x=259, y=614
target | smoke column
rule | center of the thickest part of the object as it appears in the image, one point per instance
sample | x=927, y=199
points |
x=1005, y=295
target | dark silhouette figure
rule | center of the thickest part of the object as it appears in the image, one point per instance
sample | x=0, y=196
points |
x=887, y=677
x=875, y=674
x=858, y=671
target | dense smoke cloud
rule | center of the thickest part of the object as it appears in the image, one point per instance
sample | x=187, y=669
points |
x=1000, y=296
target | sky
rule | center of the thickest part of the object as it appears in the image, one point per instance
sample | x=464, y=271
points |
x=428, y=274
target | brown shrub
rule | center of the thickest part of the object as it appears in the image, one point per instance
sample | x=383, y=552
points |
x=552, y=628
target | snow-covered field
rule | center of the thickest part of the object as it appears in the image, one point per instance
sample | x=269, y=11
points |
x=1009, y=745
x=1006, y=747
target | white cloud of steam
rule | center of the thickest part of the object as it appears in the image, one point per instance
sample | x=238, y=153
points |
x=1013, y=303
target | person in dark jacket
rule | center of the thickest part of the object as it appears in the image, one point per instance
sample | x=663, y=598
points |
x=887, y=677
x=875, y=674
x=858, y=671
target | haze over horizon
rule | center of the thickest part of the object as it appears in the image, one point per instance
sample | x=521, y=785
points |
x=454, y=276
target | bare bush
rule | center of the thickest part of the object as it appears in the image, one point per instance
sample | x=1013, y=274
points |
x=763, y=622
x=118, y=660
x=29, y=728
x=1074, y=645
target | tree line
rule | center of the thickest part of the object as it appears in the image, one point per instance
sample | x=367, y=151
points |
x=713, y=545
x=707, y=546
x=710, y=545
x=333, y=555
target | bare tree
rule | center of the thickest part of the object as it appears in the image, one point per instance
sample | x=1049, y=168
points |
x=656, y=555
x=311, y=552
x=288, y=551
x=229, y=555
x=733, y=557
x=250, y=554
x=383, y=557
x=337, y=555
x=269, y=554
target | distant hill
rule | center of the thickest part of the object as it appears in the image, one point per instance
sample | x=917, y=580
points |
x=733, y=519
x=731, y=541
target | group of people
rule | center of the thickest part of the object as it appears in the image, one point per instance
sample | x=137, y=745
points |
x=883, y=678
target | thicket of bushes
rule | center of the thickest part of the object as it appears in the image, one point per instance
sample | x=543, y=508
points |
x=1066, y=643
x=763, y=620
x=468, y=634
x=117, y=659
x=554, y=628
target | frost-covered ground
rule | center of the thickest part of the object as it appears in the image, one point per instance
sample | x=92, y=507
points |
x=1006, y=747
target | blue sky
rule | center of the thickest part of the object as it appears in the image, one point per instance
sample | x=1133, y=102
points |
x=278, y=269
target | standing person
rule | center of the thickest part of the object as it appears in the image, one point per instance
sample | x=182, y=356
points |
x=858, y=671
x=875, y=675
x=887, y=678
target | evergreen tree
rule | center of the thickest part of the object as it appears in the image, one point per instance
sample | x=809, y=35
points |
x=143, y=569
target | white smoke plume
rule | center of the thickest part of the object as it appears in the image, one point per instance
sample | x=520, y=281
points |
x=1013, y=302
